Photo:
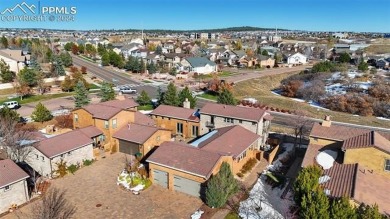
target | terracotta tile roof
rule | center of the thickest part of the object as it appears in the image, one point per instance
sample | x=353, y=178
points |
x=185, y=157
x=369, y=139
x=225, y=141
x=336, y=132
x=91, y=131
x=63, y=143
x=10, y=173
x=175, y=112
x=143, y=119
x=244, y=113
x=371, y=188
x=342, y=179
x=311, y=152
x=107, y=110
x=135, y=133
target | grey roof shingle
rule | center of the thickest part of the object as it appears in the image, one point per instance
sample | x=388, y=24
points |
x=199, y=62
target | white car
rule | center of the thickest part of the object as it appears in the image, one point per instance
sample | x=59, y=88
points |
x=127, y=90
x=10, y=105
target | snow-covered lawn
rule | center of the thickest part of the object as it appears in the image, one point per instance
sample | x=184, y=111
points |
x=265, y=202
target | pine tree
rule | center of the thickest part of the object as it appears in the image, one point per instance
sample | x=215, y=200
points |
x=81, y=95
x=342, y=209
x=28, y=76
x=221, y=186
x=306, y=182
x=106, y=92
x=186, y=94
x=8, y=113
x=6, y=74
x=160, y=95
x=226, y=97
x=170, y=96
x=369, y=212
x=315, y=205
x=143, y=99
x=41, y=113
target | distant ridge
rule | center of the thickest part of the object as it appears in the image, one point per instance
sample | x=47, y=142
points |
x=227, y=29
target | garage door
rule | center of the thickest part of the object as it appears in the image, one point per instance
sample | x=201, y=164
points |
x=187, y=186
x=160, y=178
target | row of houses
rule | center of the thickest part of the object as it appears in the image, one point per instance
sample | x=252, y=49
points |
x=182, y=147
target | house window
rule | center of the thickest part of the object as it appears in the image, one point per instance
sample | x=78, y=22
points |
x=114, y=123
x=195, y=131
x=240, y=121
x=106, y=124
x=76, y=117
x=179, y=128
x=387, y=164
x=37, y=156
x=62, y=155
x=43, y=158
x=253, y=123
x=7, y=188
x=228, y=120
x=69, y=153
x=102, y=138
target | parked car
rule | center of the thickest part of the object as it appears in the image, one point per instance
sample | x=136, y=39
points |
x=10, y=105
x=127, y=90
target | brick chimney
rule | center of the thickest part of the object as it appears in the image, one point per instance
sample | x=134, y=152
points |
x=187, y=104
x=327, y=122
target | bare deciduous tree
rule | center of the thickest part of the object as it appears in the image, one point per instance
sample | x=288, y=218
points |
x=301, y=126
x=18, y=143
x=53, y=205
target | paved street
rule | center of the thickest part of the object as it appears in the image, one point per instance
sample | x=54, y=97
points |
x=96, y=184
x=117, y=78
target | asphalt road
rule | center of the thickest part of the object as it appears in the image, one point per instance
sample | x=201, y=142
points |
x=115, y=77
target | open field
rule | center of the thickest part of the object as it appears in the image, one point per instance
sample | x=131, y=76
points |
x=378, y=49
x=260, y=89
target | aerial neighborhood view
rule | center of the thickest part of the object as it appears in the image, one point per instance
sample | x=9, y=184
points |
x=198, y=109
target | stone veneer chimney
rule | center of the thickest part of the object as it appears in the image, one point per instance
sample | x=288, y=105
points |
x=327, y=122
x=187, y=104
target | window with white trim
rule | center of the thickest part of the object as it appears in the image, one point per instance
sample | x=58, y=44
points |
x=387, y=164
x=106, y=125
x=7, y=188
x=179, y=128
x=76, y=117
x=114, y=125
x=228, y=120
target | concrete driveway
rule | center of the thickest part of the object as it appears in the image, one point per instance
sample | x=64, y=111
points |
x=96, y=184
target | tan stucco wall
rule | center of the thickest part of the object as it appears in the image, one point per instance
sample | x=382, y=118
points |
x=237, y=165
x=155, y=140
x=370, y=158
x=84, y=119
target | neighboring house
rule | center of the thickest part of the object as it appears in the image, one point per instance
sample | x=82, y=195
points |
x=170, y=59
x=185, y=167
x=72, y=147
x=214, y=116
x=109, y=117
x=265, y=61
x=259, y=60
x=140, y=140
x=200, y=65
x=13, y=185
x=381, y=63
x=183, y=122
x=297, y=59
x=17, y=59
x=361, y=170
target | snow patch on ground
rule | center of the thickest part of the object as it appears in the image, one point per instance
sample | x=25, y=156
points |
x=383, y=118
x=326, y=158
x=263, y=201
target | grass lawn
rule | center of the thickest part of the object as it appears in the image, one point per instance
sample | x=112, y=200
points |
x=146, y=107
x=147, y=81
x=36, y=98
x=260, y=89
x=93, y=86
x=208, y=96
x=87, y=58
x=226, y=74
